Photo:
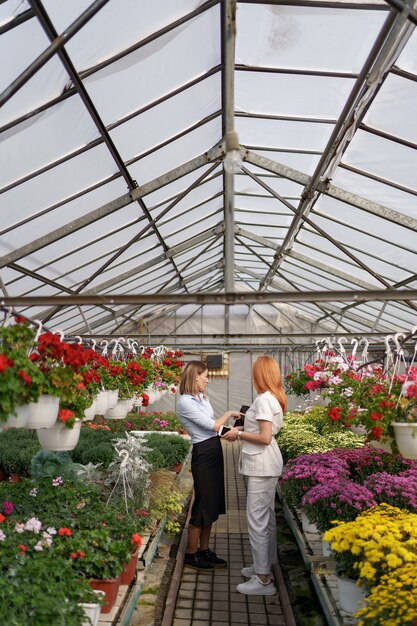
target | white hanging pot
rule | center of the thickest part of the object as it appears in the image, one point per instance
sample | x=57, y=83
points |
x=113, y=398
x=137, y=400
x=90, y=412
x=59, y=438
x=120, y=411
x=350, y=595
x=102, y=402
x=406, y=438
x=358, y=429
x=44, y=412
x=150, y=392
x=20, y=419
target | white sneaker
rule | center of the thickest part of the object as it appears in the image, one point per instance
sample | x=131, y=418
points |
x=254, y=587
x=248, y=572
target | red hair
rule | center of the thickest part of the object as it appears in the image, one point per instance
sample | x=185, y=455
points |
x=266, y=376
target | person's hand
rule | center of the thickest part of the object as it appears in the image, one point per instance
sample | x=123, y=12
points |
x=235, y=414
x=231, y=435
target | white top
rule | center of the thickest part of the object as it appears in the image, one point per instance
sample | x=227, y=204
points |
x=197, y=417
x=259, y=459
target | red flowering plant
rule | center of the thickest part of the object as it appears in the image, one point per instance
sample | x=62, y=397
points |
x=20, y=379
x=62, y=366
x=169, y=369
x=377, y=404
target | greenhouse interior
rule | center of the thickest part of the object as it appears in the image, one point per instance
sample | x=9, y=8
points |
x=208, y=328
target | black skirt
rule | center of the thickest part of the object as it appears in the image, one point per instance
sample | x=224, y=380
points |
x=208, y=474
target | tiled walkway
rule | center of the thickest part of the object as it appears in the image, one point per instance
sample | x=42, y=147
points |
x=210, y=599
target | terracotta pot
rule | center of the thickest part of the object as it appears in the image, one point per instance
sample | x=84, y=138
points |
x=177, y=467
x=110, y=588
x=15, y=478
x=129, y=570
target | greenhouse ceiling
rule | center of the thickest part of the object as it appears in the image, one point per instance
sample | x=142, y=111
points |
x=117, y=118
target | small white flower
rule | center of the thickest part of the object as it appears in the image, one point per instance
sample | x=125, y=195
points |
x=19, y=528
x=33, y=524
x=51, y=530
x=33, y=492
x=2, y=536
x=38, y=547
x=57, y=481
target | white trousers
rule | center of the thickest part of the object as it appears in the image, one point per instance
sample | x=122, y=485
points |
x=260, y=510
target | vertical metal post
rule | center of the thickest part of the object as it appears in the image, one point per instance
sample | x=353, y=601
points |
x=228, y=54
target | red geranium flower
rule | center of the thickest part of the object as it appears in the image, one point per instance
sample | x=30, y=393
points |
x=375, y=416
x=25, y=377
x=22, y=548
x=2, y=518
x=64, y=532
x=376, y=432
x=5, y=363
x=137, y=539
x=64, y=415
x=334, y=413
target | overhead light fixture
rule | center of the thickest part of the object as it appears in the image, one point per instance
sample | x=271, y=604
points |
x=233, y=160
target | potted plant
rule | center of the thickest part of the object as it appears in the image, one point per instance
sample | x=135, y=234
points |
x=336, y=499
x=405, y=421
x=383, y=606
x=364, y=555
x=20, y=379
x=32, y=591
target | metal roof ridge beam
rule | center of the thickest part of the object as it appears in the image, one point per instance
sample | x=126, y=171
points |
x=331, y=190
x=112, y=206
x=220, y=298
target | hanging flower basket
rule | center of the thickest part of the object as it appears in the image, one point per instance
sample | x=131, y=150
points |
x=44, y=412
x=120, y=410
x=20, y=419
x=113, y=397
x=90, y=412
x=59, y=438
x=102, y=402
x=406, y=438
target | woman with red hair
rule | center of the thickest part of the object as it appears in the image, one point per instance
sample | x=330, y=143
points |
x=261, y=461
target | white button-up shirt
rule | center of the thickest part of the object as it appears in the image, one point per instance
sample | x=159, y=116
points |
x=259, y=459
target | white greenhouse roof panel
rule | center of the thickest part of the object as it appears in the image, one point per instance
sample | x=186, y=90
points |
x=112, y=176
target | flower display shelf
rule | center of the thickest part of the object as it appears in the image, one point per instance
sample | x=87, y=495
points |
x=128, y=596
x=321, y=569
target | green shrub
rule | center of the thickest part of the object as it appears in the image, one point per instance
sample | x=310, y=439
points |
x=173, y=448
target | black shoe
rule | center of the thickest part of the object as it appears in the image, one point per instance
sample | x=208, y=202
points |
x=196, y=561
x=211, y=557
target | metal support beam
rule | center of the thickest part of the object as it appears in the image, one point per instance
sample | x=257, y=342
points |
x=114, y=205
x=57, y=44
x=382, y=295
x=331, y=190
x=228, y=13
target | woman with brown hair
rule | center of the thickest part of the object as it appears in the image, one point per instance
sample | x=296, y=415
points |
x=197, y=417
x=261, y=461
